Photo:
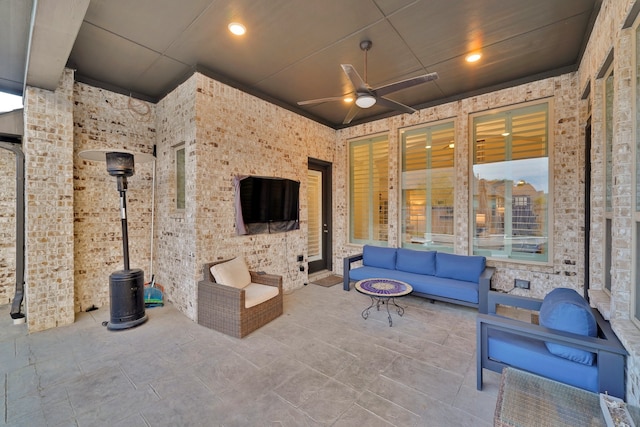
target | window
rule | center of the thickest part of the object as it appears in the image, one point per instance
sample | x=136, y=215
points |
x=428, y=179
x=180, y=177
x=510, y=184
x=369, y=190
x=636, y=287
x=608, y=131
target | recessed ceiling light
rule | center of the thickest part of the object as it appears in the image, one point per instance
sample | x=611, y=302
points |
x=473, y=57
x=427, y=146
x=237, y=28
x=348, y=99
x=451, y=145
x=505, y=134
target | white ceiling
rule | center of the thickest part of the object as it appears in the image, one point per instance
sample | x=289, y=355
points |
x=293, y=48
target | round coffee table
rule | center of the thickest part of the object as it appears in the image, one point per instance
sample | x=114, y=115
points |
x=383, y=291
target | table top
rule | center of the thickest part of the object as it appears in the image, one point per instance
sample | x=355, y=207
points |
x=383, y=287
x=525, y=399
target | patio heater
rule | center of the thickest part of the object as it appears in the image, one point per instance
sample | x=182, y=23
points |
x=126, y=287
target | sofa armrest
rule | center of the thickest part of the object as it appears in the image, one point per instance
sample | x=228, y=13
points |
x=484, y=287
x=530, y=330
x=501, y=298
x=346, y=266
x=266, y=279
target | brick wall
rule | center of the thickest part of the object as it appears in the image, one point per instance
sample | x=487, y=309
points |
x=48, y=149
x=566, y=267
x=609, y=35
x=105, y=120
x=226, y=133
x=7, y=225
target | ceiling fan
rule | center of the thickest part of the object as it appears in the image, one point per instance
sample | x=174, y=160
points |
x=367, y=96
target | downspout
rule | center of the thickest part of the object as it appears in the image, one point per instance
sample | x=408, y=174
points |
x=32, y=25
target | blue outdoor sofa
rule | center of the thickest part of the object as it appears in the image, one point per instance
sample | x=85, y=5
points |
x=572, y=343
x=458, y=279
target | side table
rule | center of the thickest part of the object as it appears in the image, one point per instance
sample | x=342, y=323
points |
x=526, y=399
x=383, y=292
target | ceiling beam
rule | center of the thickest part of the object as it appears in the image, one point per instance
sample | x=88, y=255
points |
x=54, y=28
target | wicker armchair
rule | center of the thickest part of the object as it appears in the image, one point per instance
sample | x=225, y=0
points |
x=222, y=307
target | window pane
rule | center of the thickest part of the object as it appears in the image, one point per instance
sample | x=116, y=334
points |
x=609, y=139
x=369, y=188
x=511, y=184
x=428, y=187
x=180, y=178
x=314, y=196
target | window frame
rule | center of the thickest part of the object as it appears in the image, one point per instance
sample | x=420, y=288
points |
x=549, y=101
x=607, y=250
x=178, y=186
x=350, y=239
x=426, y=127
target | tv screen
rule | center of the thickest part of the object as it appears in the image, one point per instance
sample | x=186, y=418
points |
x=265, y=199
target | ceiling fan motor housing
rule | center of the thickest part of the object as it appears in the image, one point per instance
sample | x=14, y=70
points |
x=366, y=45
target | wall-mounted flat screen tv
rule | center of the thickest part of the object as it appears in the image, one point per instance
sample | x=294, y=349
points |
x=266, y=204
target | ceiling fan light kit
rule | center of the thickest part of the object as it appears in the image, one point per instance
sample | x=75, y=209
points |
x=365, y=101
x=366, y=96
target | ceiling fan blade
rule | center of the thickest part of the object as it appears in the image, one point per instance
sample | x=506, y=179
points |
x=320, y=100
x=405, y=84
x=351, y=114
x=358, y=84
x=384, y=102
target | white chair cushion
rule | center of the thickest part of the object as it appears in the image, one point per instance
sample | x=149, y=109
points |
x=232, y=273
x=255, y=293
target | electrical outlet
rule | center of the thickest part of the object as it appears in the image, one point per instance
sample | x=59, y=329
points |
x=521, y=283
x=302, y=268
x=300, y=258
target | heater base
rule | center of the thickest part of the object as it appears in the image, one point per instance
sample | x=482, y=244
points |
x=126, y=289
x=126, y=325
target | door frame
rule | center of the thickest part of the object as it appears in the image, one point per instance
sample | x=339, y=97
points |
x=327, y=246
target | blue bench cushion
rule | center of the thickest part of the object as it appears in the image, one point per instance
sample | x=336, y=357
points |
x=532, y=356
x=420, y=262
x=460, y=267
x=430, y=285
x=564, y=309
x=375, y=256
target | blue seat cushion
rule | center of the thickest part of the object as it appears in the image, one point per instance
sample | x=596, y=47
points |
x=565, y=310
x=532, y=356
x=461, y=267
x=430, y=285
x=411, y=261
x=375, y=256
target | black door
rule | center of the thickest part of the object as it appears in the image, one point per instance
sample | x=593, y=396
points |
x=319, y=252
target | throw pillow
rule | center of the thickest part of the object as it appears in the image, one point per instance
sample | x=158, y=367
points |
x=564, y=309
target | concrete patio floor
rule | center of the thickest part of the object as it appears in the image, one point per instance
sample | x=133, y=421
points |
x=319, y=364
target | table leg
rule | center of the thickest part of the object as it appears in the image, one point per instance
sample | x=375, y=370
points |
x=365, y=312
x=389, y=314
x=399, y=309
x=377, y=301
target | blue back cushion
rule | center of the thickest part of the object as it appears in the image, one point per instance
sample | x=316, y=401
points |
x=375, y=256
x=420, y=262
x=467, y=268
x=564, y=309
